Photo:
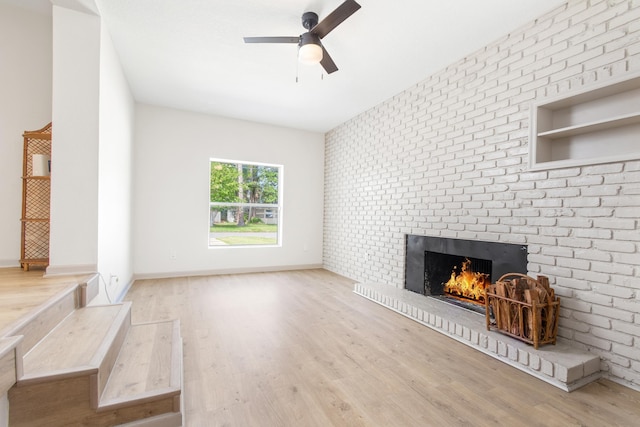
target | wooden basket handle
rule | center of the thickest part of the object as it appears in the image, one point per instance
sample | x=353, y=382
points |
x=501, y=279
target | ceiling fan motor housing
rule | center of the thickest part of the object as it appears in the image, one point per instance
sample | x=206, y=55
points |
x=309, y=20
x=309, y=38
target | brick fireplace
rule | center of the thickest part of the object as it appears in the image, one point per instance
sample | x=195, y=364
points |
x=428, y=264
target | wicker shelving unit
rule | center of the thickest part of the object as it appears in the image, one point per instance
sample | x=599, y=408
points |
x=36, y=194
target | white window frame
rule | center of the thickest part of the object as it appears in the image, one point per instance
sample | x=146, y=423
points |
x=279, y=206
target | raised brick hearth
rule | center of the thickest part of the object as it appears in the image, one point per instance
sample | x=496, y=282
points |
x=561, y=365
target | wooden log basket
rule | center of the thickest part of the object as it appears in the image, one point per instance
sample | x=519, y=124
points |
x=524, y=308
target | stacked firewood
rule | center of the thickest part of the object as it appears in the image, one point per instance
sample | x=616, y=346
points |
x=524, y=308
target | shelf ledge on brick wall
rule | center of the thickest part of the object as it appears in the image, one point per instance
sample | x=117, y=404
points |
x=563, y=366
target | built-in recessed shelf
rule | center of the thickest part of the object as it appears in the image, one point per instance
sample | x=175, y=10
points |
x=599, y=124
x=575, y=130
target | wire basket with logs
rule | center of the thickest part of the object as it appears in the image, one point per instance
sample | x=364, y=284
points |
x=524, y=308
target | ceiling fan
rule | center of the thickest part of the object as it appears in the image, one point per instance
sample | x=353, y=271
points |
x=311, y=50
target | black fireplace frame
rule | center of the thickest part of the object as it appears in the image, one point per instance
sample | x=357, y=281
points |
x=505, y=257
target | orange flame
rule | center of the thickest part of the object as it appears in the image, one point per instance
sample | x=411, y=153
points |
x=467, y=284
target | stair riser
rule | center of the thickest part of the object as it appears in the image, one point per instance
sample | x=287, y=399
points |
x=7, y=370
x=129, y=414
x=66, y=402
x=89, y=290
x=41, y=403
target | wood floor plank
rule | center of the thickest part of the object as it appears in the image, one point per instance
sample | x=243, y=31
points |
x=300, y=348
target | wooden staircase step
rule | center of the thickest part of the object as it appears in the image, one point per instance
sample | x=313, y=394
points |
x=87, y=365
x=138, y=380
x=79, y=343
x=37, y=324
x=8, y=362
x=149, y=366
x=88, y=289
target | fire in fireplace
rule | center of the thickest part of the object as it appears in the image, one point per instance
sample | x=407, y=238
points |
x=467, y=284
x=456, y=276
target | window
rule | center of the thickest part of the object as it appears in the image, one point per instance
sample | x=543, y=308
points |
x=244, y=203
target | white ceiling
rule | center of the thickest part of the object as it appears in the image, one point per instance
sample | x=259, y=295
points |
x=189, y=54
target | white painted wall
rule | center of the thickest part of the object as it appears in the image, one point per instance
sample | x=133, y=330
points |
x=74, y=157
x=171, y=188
x=115, y=151
x=25, y=104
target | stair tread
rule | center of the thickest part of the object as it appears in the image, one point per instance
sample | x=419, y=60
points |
x=145, y=363
x=75, y=341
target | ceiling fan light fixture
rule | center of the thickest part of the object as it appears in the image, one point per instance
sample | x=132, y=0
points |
x=310, y=51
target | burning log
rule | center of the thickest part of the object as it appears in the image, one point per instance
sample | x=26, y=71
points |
x=524, y=308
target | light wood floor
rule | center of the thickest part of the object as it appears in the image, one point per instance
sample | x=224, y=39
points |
x=300, y=349
x=22, y=291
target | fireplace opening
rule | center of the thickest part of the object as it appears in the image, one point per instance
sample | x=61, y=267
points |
x=457, y=279
x=430, y=261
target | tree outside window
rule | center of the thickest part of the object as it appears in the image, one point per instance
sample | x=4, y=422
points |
x=244, y=203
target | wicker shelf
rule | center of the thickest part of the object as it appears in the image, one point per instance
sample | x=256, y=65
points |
x=36, y=193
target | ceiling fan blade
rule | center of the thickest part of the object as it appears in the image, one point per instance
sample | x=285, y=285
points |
x=327, y=63
x=335, y=18
x=283, y=39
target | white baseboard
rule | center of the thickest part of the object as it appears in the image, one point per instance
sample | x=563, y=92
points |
x=8, y=263
x=120, y=296
x=68, y=270
x=170, y=274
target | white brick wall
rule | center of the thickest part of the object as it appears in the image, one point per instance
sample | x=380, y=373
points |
x=448, y=157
